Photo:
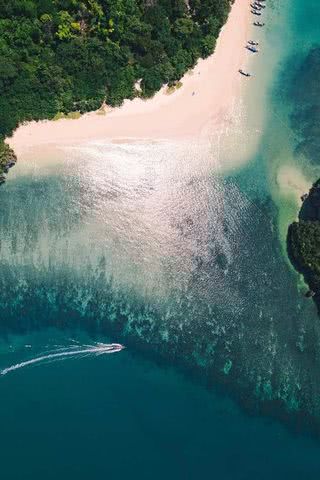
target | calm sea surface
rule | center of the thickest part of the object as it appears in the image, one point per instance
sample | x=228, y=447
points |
x=146, y=245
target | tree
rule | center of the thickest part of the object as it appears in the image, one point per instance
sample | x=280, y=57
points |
x=68, y=55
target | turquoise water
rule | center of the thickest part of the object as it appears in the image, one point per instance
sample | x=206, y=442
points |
x=121, y=416
x=142, y=245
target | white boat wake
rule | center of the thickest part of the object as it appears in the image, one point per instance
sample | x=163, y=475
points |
x=98, y=349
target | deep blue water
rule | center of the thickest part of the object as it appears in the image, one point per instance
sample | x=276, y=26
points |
x=186, y=268
x=121, y=416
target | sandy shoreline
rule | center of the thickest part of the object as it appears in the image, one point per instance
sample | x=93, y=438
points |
x=182, y=115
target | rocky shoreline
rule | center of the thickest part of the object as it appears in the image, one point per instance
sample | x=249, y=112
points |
x=303, y=242
x=7, y=160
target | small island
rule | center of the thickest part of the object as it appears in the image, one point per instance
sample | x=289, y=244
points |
x=303, y=242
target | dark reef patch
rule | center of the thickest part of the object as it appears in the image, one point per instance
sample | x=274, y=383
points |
x=304, y=94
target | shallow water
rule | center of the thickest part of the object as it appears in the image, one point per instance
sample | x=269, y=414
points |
x=147, y=245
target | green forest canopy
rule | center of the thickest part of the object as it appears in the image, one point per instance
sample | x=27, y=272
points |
x=72, y=55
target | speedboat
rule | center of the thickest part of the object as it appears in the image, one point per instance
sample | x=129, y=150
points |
x=117, y=347
x=251, y=42
x=258, y=24
x=255, y=12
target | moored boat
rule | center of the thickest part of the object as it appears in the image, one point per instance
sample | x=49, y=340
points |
x=245, y=74
x=252, y=49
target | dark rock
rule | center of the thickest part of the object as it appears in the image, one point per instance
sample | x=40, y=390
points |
x=2, y=178
x=7, y=160
x=310, y=294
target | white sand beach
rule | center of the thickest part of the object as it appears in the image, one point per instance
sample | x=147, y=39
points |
x=204, y=102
